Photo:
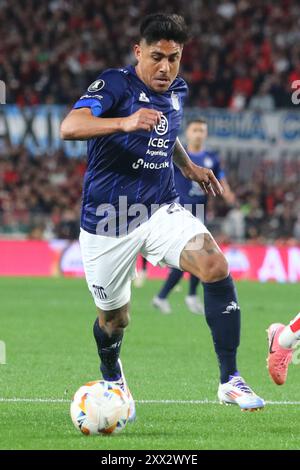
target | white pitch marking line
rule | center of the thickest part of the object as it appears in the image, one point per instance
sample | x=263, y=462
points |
x=142, y=402
x=207, y=402
x=34, y=400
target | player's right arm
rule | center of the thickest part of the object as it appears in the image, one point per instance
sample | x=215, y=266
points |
x=80, y=124
x=89, y=117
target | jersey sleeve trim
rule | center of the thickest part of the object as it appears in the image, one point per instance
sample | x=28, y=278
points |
x=104, y=93
x=89, y=102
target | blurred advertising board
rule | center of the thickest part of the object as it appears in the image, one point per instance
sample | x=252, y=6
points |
x=61, y=257
x=37, y=128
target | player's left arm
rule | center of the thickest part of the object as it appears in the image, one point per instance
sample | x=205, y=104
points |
x=203, y=176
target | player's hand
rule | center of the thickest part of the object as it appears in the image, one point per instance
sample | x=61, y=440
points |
x=205, y=178
x=143, y=119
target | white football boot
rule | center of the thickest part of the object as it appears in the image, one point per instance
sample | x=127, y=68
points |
x=162, y=305
x=123, y=385
x=237, y=392
x=194, y=304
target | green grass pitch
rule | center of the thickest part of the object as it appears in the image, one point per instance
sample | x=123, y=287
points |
x=47, y=327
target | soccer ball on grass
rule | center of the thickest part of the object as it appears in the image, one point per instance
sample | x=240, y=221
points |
x=100, y=407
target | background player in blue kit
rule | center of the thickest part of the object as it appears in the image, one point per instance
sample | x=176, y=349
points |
x=192, y=196
x=131, y=119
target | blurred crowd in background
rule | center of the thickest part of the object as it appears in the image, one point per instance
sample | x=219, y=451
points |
x=40, y=197
x=243, y=55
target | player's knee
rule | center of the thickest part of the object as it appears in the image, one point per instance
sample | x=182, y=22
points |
x=114, y=324
x=215, y=268
x=121, y=322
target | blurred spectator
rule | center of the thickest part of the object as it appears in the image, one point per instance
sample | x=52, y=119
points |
x=263, y=100
x=296, y=231
x=234, y=224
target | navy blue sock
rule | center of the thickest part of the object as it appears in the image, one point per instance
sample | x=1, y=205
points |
x=174, y=277
x=194, y=281
x=223, y=317
x=109, y=351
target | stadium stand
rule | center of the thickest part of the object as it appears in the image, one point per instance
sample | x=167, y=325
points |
x=243, y=53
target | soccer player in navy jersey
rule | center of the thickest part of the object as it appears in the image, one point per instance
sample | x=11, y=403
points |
x=193, y=198
x=130, y=118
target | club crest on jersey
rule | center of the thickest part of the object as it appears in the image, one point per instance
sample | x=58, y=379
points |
x=163, y=126
x=143, y=97
x=175, y=101
x=96, y=85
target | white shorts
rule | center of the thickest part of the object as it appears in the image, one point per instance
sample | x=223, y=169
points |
x=109, y=262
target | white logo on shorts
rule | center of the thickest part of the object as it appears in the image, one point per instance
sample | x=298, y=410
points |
x=99, y=292
x=174, y=208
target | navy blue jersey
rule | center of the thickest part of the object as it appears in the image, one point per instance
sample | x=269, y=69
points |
x=135, y=166
x=189, y=191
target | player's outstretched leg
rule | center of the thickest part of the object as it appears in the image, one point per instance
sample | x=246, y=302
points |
x=282, y=339
x=222, y=313
x=160, y=301
x=290, y=335
x=192, y=300
x=108, y=332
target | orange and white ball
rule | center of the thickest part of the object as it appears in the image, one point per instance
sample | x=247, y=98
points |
x=100, y=407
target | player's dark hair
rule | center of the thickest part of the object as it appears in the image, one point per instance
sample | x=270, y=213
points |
x=200, y=120
x=159, y=26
